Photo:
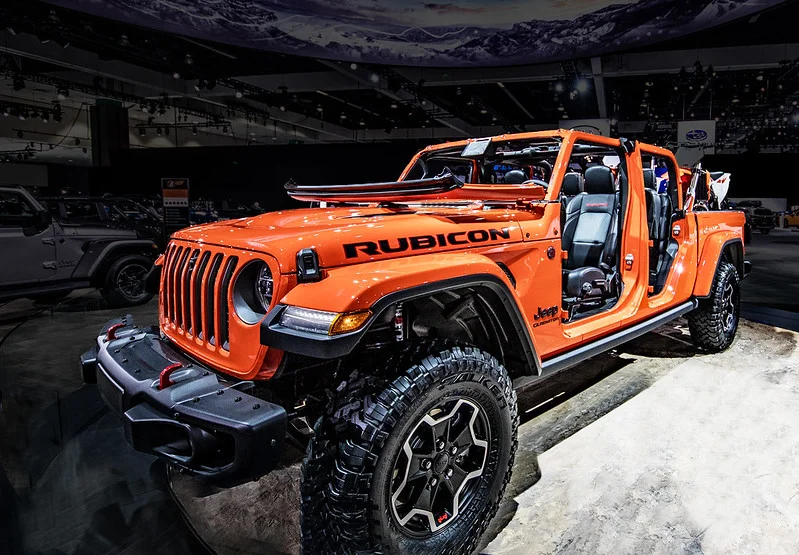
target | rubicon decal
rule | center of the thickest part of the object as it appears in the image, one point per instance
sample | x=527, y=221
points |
x=419, y=242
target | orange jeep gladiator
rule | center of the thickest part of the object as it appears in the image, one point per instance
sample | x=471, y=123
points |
x=386, y=329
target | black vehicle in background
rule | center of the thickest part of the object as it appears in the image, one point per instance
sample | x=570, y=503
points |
x=763, y=219
x=45, y=258
x=107, y=211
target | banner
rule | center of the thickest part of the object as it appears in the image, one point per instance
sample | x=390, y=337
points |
x=429, y=33
x=593, y=126
x=175, y=193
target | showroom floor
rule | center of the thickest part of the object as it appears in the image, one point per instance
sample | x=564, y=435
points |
x=650, y=448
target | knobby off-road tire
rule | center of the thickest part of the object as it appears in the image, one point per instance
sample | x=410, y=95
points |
x=714, y=323
x=124, y=281
x=421, y=461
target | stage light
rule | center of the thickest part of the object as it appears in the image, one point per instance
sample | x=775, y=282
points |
x=159, y=131
x=583, y=85
x=142, y=132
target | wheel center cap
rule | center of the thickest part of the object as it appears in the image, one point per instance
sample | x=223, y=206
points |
x=441, y=463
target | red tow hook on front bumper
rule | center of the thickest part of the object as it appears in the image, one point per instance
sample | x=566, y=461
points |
x=163, y=378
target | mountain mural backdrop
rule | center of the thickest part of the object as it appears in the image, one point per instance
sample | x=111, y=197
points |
x=433, y=33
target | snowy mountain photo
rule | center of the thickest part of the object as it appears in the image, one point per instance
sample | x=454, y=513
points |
x=468, y=33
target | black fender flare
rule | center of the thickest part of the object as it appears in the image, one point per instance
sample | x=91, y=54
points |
x=100, y=252
x=328, y=347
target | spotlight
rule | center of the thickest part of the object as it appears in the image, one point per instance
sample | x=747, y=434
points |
x=199, y=85
x=166, y=131
x=559, y=87
x=194, y=130
x=6, y=111
x=362, y=123
x=582, y=86
x=239, y=94
x=282, y=108
x=142, y=132
x=483, y=111
x=52, y=147
x=374, y=78
x=176, y=75
x=394, y=105
x=343, y=116
x=123, y=40
x=45, y=117
x=145, y=108
x=319, y=108
x=458, y=91
x=158, y=131
x=353, y=66
x=224, y=130
x=188, y=60
x=23, y=115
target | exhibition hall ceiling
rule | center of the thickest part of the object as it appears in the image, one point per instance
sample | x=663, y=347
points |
x=446, y=34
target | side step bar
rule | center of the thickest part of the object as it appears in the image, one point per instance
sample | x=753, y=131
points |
x=584, y=352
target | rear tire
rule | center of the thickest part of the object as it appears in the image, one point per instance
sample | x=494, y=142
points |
x=714, y=323
x=124, y=281
x=422, y=462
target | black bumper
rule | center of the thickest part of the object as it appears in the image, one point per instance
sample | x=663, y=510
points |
x=203, y=424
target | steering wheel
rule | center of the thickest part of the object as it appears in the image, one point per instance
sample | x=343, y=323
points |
x=540, y=182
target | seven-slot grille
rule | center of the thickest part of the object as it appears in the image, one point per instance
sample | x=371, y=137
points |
x=195, y=287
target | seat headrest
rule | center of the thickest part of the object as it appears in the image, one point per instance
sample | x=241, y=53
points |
x=572, y=184
x=599, y=180
x=649, y=179
x=515, y=177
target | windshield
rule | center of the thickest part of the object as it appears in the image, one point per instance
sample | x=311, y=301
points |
x=505, y=162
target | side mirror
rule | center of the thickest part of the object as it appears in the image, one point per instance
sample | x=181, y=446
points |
x=42, y=219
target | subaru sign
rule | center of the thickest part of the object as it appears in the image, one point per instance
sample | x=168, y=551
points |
x=696, y=135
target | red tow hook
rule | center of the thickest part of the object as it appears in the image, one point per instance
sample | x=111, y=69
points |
x=163, y=380
x=112, y=332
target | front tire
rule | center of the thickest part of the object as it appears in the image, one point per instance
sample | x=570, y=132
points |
x=124, y=281
x=714, y=323
x=422, y=465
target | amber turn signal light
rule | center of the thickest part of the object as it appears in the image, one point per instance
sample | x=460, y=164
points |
x=349, y=321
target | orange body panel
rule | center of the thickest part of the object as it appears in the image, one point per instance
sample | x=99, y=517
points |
x=427, y=243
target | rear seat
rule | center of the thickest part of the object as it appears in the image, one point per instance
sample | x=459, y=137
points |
x=658, y=215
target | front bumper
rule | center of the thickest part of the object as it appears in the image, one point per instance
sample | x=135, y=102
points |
x=205, y=425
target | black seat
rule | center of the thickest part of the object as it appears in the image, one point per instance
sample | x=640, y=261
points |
x=653, y=209
x=589, y=236
x=572, y=186
x=515, y=177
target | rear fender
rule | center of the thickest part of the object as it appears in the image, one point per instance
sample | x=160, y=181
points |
x=722, y=246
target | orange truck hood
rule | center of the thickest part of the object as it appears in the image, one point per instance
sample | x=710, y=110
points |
x=343, y=236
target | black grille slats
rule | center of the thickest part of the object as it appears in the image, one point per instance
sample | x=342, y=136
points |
x=196, y=287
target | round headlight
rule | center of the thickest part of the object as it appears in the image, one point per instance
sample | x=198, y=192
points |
x=253, y=292
x=264, y=287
